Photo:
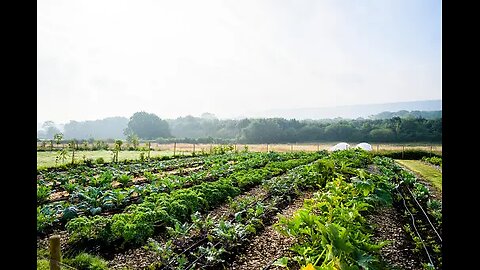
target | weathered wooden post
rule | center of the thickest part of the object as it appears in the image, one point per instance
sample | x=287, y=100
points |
x=149, y=150
x=174, y=148
x=55, y=256
x=267, y=147
x=193, y=150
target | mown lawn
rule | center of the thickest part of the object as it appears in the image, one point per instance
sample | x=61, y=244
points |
x=428, y=172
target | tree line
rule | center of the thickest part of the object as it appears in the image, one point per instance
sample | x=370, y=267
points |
x=207, y=128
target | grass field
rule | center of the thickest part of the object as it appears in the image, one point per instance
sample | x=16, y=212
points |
x=426, y=171
x=47, y=159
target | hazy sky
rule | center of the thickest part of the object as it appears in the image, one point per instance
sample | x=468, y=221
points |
x=103, y=58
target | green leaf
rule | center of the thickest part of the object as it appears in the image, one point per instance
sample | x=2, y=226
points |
x=282, y=262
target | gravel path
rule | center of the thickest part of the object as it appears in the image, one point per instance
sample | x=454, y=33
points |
x=388, y=225
x=269, y=244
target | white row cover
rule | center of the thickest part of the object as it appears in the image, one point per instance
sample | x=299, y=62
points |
x=344, y=146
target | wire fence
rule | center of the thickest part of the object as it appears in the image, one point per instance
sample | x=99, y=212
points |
x=282, y=147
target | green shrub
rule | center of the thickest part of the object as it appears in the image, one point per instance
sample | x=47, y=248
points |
x=87, y=261
x=433, y=160
x=99, y=160
x=43, y=192
x=43, y=264
x=407, y=154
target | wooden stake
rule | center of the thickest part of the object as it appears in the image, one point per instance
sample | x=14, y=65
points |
x=174, y=148
x=55, y=256
x=149, y=150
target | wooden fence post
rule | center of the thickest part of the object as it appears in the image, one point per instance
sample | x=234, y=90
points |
x=55, y=256
x=431, y=149
x=149, y=150
x=174, y=148
x=267, y=147
x=193, y=149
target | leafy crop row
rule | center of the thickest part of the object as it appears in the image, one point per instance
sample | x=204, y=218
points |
x=93, y=200
x=139, y=222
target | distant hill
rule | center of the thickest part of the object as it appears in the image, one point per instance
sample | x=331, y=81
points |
x=350, y=111
x=408, y=114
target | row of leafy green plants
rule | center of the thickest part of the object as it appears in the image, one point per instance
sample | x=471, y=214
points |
x=97, y=195
x=421, y=209
x=77, y=181
x=244, y=179
x=331, y=229
x=93, y=200
x=224, y=238
x=416, y=154
x=158, y=210
x=58, y=176
x=342, y=183
x=433, y=160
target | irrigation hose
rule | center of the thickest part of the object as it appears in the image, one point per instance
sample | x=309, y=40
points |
x=415, y=227
x=193, y=263
x=433, y=227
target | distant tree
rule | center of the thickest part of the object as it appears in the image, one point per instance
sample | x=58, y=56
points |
x=341, y=131
x=44, y=145
x=382, y=135
x=49, y=129
x=58, y=138
x=111, y=127
x=85, y=144
x=209, y=116
x=148, y=126
x=261, y=131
